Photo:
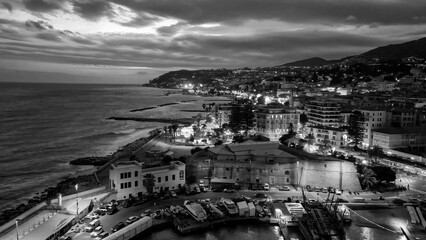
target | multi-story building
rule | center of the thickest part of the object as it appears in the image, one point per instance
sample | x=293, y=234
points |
x=325, y=120
x=127, y=178
x=403, y=118
x=413, y=138
x=223, y=111
x=252, y=163
x=274, y=120
x=266, y=162
x=374, y=118
x=323, y=113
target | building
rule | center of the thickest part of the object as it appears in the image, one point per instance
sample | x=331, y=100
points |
x=265, y=162
x=274, y=120
x=325, y=120
x=323, y=113
x=251, y=162
x=413, y=138
x=336, y=136
x=223, y=111
x=403, y=118
x=374, y=118
x=127, y=177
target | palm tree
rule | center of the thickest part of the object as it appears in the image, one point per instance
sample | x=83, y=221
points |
x=149, y=182
x=369, y=178
x=376, y=152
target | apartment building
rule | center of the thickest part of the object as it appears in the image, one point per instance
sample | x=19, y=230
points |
x=375, y=118
x=127, y=178
x=413, y=138
x=274, y=120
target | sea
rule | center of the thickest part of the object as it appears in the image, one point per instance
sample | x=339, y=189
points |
x=43, y=126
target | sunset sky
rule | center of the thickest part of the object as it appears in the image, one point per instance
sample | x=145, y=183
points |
x=133, y=41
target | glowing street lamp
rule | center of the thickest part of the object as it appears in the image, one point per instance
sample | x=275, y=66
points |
x=17, y=228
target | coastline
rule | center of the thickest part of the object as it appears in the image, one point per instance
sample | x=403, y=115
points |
x=85, y=179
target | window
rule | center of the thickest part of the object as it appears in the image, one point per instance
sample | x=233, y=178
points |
x=121, y=185
x=159, y=180
x=173, y=177
x=121, y=175
x=130, y=184
x=167, y=178
x=136, y=183
x=181, y=175
x=136, y=173
x=287, y=172
x=325, y=165
x=227, y=169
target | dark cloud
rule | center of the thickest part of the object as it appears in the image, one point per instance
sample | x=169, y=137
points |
x=82, y=41
x=49, y=36
x=42, y=5
x=8, y=6
x=93, y=9
x=40, y=25
x=141, y=20
x=171, y=30
x=301, y=11
x=5, y=21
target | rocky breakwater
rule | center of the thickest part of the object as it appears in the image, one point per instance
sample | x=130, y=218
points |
x=186, y=121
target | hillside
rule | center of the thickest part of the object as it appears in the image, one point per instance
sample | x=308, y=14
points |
x=310, y=62
x=398, y=51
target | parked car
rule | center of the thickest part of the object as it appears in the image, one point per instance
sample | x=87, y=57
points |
x=266, y=186
x=102, y=235
x=166, y=196
x=342, y=200
x=127, y=204
x=261, y=197
x=338, y=192
x=284, y=188
x=331, y=190
x=324, y=190
x=229, y=190
x=97, y=231
x=317, y=189
x=118, y=226
x=132, y=219
x=173, y=194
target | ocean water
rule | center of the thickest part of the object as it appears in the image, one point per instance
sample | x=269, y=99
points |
x=44, y=126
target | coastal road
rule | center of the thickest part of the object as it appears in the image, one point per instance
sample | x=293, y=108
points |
x=415, y=183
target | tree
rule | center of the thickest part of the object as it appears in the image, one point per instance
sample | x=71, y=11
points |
x=310, y=138
x=191, y=173
x=241, y=117
x=195, y=150
x=376, y=152
x=149, y=182
x=303, y=119
x=324, y=146
x=356, y=127
x=384, y=173
x=167, y=159
x=218, y=143
x=287, y=136
x=369, y=178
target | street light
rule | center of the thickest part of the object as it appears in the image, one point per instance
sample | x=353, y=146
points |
x=17, y=229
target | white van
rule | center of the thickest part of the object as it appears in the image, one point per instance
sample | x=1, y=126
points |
x=266, y=186
x=92, y=225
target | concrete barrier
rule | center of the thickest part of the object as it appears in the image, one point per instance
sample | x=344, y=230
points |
x=131, y=230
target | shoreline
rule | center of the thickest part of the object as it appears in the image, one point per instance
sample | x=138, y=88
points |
x=159, y=120
x=85, y=179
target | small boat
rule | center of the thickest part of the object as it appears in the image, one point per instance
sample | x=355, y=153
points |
x=229, y=205
x=216, y=210
x=196, y=210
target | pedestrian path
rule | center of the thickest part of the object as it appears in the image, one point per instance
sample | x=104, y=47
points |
x=407, y=180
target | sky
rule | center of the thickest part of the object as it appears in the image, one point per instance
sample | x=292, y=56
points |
x=134, y=41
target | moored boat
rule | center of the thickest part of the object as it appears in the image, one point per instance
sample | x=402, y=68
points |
x=229, y=205
x=196, y=210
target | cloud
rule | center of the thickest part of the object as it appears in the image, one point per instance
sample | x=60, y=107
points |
x=142, y=73
x=8, y=6
x=171, y=30
x=351, y=18
x=141, y=20
x=48, y=36
x=40, y=25
x=43, y=5
x=301, y=11
x=93, y=9
x=82, y=41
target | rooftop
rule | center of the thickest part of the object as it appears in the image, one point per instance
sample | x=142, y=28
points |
x=407, y=130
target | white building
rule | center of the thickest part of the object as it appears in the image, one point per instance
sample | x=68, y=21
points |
x=373, y=119
x=127, y=178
